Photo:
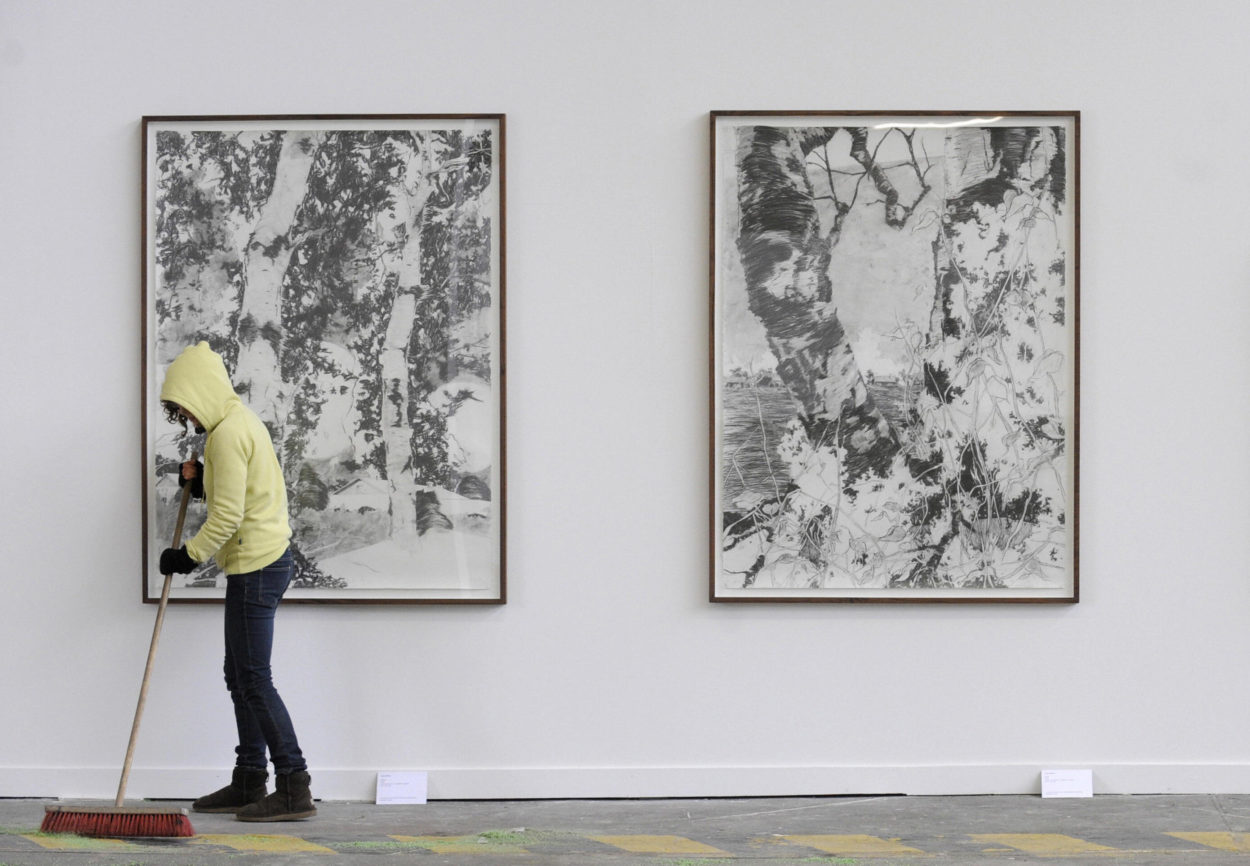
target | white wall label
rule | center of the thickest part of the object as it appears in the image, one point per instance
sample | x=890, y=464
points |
x=1067, y=783
x=402, y=788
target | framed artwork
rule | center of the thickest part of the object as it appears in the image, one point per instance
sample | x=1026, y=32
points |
x=894, y=356
x=350, y=272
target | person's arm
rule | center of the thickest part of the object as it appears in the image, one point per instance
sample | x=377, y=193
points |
x=229, y=458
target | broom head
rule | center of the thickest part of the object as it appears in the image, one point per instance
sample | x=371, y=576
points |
x=117, y=821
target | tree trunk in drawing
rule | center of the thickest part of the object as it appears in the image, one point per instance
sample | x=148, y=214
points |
x=401, y=268
x=258, y=374
x=395, y=427
x=786, y=259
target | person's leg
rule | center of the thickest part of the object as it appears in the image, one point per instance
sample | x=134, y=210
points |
x=247, y=783
x=251, y=647
x=262, y=592
x=250, y=752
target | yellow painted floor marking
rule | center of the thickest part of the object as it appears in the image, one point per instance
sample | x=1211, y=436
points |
x=1044, y=844
x=1239, y=842
x=636, y=844
x=70, y=842
x=265, y=844
x=848, y=845
x=461, y=845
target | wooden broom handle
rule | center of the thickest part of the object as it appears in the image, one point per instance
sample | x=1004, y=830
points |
x=156, y=636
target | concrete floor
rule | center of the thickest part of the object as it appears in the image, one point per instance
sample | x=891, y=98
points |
x=1174, y=829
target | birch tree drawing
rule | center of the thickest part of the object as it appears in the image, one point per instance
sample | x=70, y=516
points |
x=896, y=365
x=349, y=273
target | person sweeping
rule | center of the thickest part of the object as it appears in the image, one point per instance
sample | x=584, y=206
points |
x=247, y=531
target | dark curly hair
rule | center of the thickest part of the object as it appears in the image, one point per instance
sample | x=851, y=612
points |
x=172, y=415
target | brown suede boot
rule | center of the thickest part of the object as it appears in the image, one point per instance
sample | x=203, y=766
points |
x=292, y=801
x=246, y=786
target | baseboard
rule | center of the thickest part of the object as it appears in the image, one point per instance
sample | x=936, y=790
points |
x=650, y=782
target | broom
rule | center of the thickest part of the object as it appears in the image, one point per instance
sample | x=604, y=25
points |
x=127, y=820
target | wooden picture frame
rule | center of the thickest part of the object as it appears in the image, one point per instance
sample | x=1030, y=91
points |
x=894, y=356
x=350, y=271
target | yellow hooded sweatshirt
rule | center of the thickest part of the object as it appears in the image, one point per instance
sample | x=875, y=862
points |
x=247, y=526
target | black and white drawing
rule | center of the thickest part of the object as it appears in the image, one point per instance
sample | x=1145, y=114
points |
x=895, y=354
x=349, y=270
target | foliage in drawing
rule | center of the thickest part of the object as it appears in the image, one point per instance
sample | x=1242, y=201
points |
x=895, y=358
x=346, y=277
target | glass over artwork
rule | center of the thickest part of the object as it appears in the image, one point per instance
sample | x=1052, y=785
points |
x=895, y=353
x=349, y=271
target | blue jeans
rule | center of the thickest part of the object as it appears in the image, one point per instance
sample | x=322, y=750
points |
x=251, y=602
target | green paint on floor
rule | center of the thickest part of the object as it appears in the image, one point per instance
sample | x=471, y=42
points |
x=379, y=846
x=851, y=844
x=461, y=845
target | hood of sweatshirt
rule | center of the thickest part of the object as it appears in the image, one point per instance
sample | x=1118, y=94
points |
x=198, y=382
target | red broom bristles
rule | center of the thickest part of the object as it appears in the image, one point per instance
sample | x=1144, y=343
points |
x=117, y=822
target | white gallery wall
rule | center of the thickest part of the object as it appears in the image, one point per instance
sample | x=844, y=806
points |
x=608, y=673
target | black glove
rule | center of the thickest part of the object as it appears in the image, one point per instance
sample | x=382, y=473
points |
x=197, y=483
x=177, y=561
